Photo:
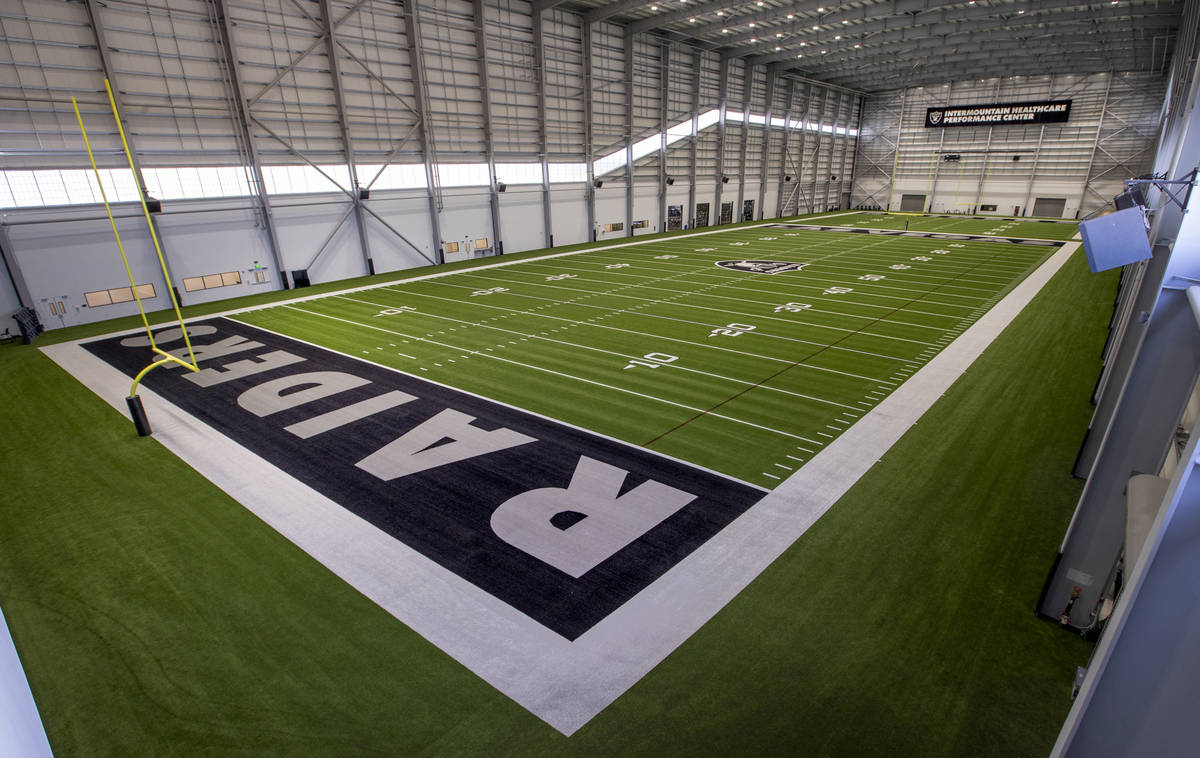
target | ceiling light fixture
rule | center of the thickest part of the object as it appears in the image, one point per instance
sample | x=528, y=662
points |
x=751, y=24
x=821, y=9
x=692, y=20
x=778, y=48
x=724, y=31
x=778, y=34
x=653, y=7
x=799, y=55
x=791, y=16
x=754, y=39
x=844, y=21
x=837, y=36
x=816, y=28
x=720, y=13
x=856, y=46
x=823, y=52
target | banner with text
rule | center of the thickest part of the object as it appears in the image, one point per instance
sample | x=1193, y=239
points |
x=999, y=114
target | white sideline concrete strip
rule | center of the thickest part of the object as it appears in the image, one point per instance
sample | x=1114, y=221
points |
x=564, y=683
x=21, y=731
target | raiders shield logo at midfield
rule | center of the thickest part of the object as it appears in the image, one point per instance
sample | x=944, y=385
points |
x=762, y=267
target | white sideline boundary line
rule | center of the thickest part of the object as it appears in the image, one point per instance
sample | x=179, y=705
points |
x=564, y=683
x=21, y=730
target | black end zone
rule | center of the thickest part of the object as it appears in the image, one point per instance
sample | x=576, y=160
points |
x=276, y=401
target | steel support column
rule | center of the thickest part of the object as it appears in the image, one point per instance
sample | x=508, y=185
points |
x=98, y=31
x=747, y=94
x=1087, y=176
x=805, y=120
x=783, y=148
x=485, y=93
x=224, y=28
x=766, y=140
x=722, y=97
x=628, y=133
x=816, y=159
x=896, y=156
x=339, y=99
x=539, y=52
x=937, y=157
x=1037, y=154
x=417, y=57
x=589, y=191
x=664, y=81
x=854, y=150
x=697, y=64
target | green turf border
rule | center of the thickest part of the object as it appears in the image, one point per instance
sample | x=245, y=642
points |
x=901, y=624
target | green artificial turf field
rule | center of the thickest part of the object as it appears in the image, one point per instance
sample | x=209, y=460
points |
x=744, y=373
x=998, y=226
x=901, y=624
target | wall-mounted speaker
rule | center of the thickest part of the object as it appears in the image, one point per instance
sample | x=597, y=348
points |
x=670, y=181
x=724, y=180
x=501, y=186
x=364, y=193
x=599, y=183
x=1115, y=240
x=787, y=178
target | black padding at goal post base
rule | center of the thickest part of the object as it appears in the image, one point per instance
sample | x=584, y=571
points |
x=138, y=413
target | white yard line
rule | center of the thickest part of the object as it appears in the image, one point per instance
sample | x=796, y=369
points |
x=541, y=337
x=543, y=369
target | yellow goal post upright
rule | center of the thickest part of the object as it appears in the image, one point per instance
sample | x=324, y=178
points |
x=136, y=411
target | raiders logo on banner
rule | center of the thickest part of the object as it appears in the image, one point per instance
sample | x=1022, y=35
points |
x=999, y=114
x=762, y=267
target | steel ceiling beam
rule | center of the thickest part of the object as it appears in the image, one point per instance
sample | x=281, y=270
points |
x=605, y=12
x=98, y=32
x=339, y=99
x=878, y=17
x=908, y=56
x=970, y=66
x=960, y=31
x=224, y=29
x=691, y=10
x=416, y=52
x=485, y=93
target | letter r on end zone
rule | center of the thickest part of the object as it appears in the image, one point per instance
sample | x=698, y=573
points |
x=610, y=520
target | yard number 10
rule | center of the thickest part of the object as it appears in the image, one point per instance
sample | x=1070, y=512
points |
x=652, y=360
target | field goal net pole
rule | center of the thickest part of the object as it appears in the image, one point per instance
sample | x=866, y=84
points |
x=134, y=402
